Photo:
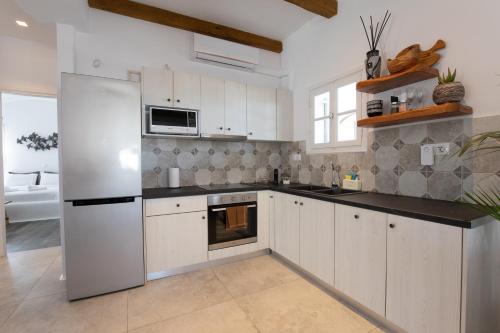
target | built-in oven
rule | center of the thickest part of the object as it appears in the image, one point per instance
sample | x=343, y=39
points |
x=171, y=121
x=232, y=219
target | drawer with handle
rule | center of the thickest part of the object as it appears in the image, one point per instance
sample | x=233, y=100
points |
x=165, y=206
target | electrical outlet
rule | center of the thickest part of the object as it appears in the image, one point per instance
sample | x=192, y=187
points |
x=441, y=149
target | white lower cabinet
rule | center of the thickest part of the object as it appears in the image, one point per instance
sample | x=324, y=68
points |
x=286, y=226
x=424, y=266
x=175, y=240
x=317, y=238
x=360, y=255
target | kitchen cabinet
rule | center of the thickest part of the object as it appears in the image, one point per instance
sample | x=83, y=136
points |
x=424, y=275
x=235, y=108
x=162, y=87
x=264, y=202
x=261, y=113
x=360, y=255
x=287, y=227
x=272, y=220
x=317, y=238
x=187, y=91
x=212, y=106
x=223, y=107
x=175, y=240
x=157, y=87
x=164, y=206
x=284, y=115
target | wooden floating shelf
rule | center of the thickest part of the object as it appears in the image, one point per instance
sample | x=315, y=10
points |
x=427, y=113
x=384, y=83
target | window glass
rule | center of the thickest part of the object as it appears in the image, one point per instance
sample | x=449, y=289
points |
x=346, y=127
x=322, y=105
x=322, y=131
x=346, y=98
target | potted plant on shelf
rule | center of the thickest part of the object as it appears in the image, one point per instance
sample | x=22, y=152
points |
x=373, y=60
x=447, y=90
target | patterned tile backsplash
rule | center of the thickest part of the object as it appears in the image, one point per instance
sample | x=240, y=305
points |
x=390, y=165
x=208, y=162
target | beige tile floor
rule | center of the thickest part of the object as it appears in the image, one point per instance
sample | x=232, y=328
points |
x=253, y=295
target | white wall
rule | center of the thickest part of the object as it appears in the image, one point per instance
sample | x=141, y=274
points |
x=324, y=49
x=122, y=43
x=22, y=115
x=27, y=66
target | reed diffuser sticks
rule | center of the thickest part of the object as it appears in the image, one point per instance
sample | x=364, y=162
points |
x=375, y=34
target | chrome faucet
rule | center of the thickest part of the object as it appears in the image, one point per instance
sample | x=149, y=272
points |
x=335, y=178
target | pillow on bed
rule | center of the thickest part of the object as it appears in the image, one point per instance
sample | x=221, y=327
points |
x=48, y=178
x=17, y=179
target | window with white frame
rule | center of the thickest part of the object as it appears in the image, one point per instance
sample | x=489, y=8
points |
x=336, y=107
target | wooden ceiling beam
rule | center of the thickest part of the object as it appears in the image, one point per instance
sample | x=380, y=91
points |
x=165, y=17
x=325, y=8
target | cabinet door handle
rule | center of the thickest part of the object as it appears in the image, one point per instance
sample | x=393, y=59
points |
x=356, y=216
x=392, y=225
x=168, y=99
x=250, y=133
x=296, y=202
x=178, y=205
x=229, y=128
x=271, y=196
x=221, y=128
x=203, y=217
x=302, y=204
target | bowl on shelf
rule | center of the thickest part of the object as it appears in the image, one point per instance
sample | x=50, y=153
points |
x=375, y=108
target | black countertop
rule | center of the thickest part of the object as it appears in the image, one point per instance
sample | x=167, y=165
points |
x=439, y=211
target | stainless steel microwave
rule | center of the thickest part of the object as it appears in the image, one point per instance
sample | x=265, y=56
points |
x=172, y=121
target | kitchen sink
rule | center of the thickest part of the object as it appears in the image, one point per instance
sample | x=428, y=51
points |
x=308, y=188
x=339, y=191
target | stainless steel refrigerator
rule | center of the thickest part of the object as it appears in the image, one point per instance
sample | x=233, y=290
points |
x=100, y=133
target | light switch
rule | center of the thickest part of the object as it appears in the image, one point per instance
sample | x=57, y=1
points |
x=427, y=154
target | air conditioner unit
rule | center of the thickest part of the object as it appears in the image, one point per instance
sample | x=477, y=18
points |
x=224, y=53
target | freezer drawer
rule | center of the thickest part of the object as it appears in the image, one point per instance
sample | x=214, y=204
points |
x=103, y=246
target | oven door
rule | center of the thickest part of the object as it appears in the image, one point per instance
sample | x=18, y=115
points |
x=232, y=225
x=173, y=121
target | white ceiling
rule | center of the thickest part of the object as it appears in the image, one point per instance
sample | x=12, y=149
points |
x=40, y=32
x=276, y=19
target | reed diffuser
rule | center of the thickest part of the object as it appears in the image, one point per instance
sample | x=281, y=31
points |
x=373, y=62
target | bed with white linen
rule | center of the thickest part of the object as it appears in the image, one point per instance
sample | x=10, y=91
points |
x=30, y=202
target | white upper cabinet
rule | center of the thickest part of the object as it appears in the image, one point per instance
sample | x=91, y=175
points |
x=157, y=87
x=261, y=113
x=360, y=255
x=223, y=107
x=187, y=91
x=212, y=106
x=284, y=115
x=236, y=108
x=162, y=87
x=424, y=275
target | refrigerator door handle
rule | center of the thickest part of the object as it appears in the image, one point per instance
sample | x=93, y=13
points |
x=105, y=201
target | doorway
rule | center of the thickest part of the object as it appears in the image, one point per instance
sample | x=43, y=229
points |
x=30, y=171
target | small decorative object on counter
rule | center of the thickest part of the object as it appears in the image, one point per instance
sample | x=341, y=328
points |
x=413, y=56
x=394, y=104
x=448, y=91
x=285, y=180
x=375, y=108
x=373, y=62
